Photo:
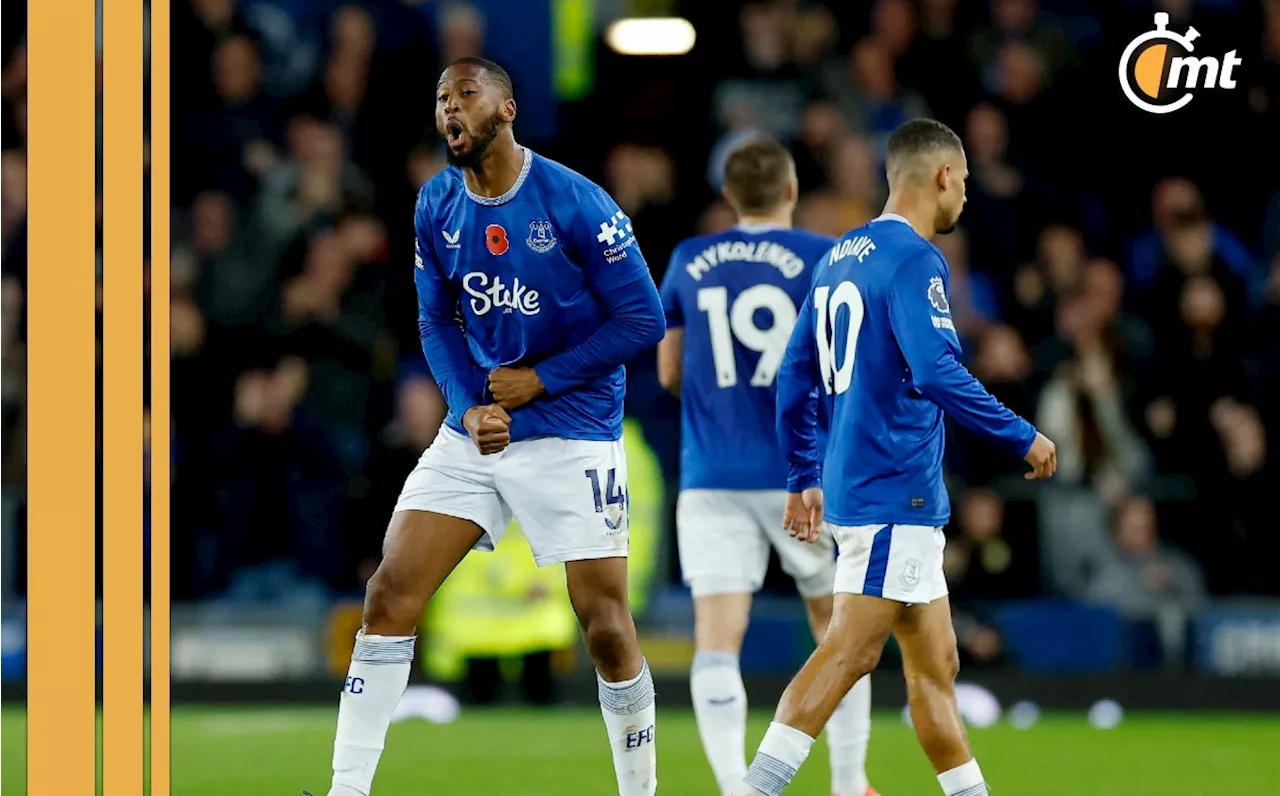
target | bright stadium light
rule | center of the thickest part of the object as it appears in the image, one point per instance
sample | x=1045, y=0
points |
x=651, y=36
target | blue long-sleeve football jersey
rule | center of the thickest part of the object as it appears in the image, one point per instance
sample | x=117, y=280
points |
x=736, y=294
x=547, y=276
x=876, y=333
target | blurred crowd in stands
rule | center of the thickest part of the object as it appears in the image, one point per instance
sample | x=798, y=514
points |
x=1132, y=311
x=13, y=365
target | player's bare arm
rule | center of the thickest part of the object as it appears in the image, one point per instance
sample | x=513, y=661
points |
x=671, y=360
x=515, y=387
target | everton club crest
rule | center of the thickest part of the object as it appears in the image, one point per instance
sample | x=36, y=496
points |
x=542, y=236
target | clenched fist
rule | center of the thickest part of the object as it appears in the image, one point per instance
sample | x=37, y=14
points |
x=489, y=427
x=1043, y=458
x=515, y=387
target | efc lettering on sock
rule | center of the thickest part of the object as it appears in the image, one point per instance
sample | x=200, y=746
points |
x=637, y=738
x=378, y=675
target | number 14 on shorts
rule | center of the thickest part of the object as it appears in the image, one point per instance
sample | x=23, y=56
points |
x=612, y=502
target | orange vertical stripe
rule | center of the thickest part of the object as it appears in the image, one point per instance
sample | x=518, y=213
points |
x=160, y=398
x=122, y=406
x=60, y=399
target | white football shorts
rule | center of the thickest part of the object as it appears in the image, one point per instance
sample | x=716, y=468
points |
x=724, y=537
x=569, y=496
x=902, y=563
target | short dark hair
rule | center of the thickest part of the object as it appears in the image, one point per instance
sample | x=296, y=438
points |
x=916, y=138
x=757, y=174
x=495, y=71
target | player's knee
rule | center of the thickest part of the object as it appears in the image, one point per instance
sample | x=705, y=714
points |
x=389, y=607
x=718, y=631
x=610, y=636
x=939, y=672
x=863, y=662
x=948, y=665
x=710, y=638
x=857, y=659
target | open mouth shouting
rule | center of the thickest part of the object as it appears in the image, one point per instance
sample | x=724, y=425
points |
x=455, y=134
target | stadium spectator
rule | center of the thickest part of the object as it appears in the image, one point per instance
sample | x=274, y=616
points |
x=1003, y=364
x=232, y=139
x=939, y=41
x=869, y=95
x=1242, y=541
x=1003, y=204
x=1154, y=586
x=982, y=567
x=13, y=195
x=853, y=191
x=274, y=493
x=821, y=129
x=1083, y=403
x=765, y=93
x=1179, y=215
x=982, y=562
x=974, y=303
x=419, y=409
x=1017, y=21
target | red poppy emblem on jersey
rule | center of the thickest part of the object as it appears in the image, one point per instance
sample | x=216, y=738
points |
x=495, y=237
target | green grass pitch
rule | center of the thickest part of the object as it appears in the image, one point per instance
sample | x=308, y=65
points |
x=279, y=751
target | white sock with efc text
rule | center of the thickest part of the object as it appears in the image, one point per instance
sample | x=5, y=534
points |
x=375, y=682
x=629, y=718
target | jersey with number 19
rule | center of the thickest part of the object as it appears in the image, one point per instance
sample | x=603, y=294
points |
x=876, y=332
x=736, y=294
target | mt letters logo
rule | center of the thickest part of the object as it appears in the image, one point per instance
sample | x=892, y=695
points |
x=1159, y=74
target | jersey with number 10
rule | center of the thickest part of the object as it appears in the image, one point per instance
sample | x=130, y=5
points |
x=736, y=294
x=876, y=333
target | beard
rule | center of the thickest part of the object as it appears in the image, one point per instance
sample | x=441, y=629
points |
x=946, y=224
x=479, y=144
